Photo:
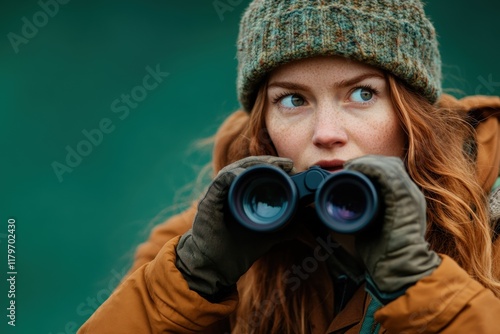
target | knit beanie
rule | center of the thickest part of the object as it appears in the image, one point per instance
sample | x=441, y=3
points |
x=392, y=35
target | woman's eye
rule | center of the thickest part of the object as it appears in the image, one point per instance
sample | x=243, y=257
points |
x=292, y=101
x=362, y=95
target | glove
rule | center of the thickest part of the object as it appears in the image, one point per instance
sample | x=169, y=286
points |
x=396, y=255
x=217, y=250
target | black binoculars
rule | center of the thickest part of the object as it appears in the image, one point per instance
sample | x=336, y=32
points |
x=264, y=198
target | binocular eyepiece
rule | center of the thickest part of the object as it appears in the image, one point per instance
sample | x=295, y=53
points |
x=264, y=198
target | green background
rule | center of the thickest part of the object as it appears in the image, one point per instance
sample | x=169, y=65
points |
x=75, y=235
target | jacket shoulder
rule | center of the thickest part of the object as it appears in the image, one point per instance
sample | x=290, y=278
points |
x=447, y=301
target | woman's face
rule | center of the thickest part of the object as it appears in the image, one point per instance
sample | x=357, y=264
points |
x=327, y=110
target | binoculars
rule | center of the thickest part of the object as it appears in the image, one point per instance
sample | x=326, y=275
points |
x=264, y=198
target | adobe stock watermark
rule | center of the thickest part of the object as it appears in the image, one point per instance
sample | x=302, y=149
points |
x=30, y=27
x=87, y=307
x=121, y=107
x=222, y=6
x=487, y=84
x=293, y=279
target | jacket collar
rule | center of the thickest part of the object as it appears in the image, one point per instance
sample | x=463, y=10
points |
x=350, y=319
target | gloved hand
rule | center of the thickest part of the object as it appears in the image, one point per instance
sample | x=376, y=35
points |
x=217, y=250
x=396, y=256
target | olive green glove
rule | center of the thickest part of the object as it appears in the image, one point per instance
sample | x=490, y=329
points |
x=396, y=255
x=217, y=250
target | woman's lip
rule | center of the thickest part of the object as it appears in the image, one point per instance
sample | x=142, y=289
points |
x=330, y=165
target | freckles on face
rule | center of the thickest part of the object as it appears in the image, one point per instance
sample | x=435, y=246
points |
x=288, y=139
x=328, y=110
x=383, y=136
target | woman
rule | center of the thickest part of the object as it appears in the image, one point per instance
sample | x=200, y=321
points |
x=343, y=84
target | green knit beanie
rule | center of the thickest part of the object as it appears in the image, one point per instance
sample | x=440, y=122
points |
x=393, y=35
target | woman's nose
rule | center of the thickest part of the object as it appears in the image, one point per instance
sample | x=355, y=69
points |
x=329, y=128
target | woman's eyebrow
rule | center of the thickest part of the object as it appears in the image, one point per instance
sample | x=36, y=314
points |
x=354, y=80
x=343, y=83
x=287, y=85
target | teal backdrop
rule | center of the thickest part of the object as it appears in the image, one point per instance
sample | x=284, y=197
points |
x=102, y=104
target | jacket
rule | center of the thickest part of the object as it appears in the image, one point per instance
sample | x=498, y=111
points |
x=155, y=298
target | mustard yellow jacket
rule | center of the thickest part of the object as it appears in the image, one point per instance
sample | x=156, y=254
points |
x=155, y=298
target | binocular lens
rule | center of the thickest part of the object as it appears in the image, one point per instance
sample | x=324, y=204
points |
x=265, y=201
x=263, y=198
x=346, y=207
x=347, y=202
